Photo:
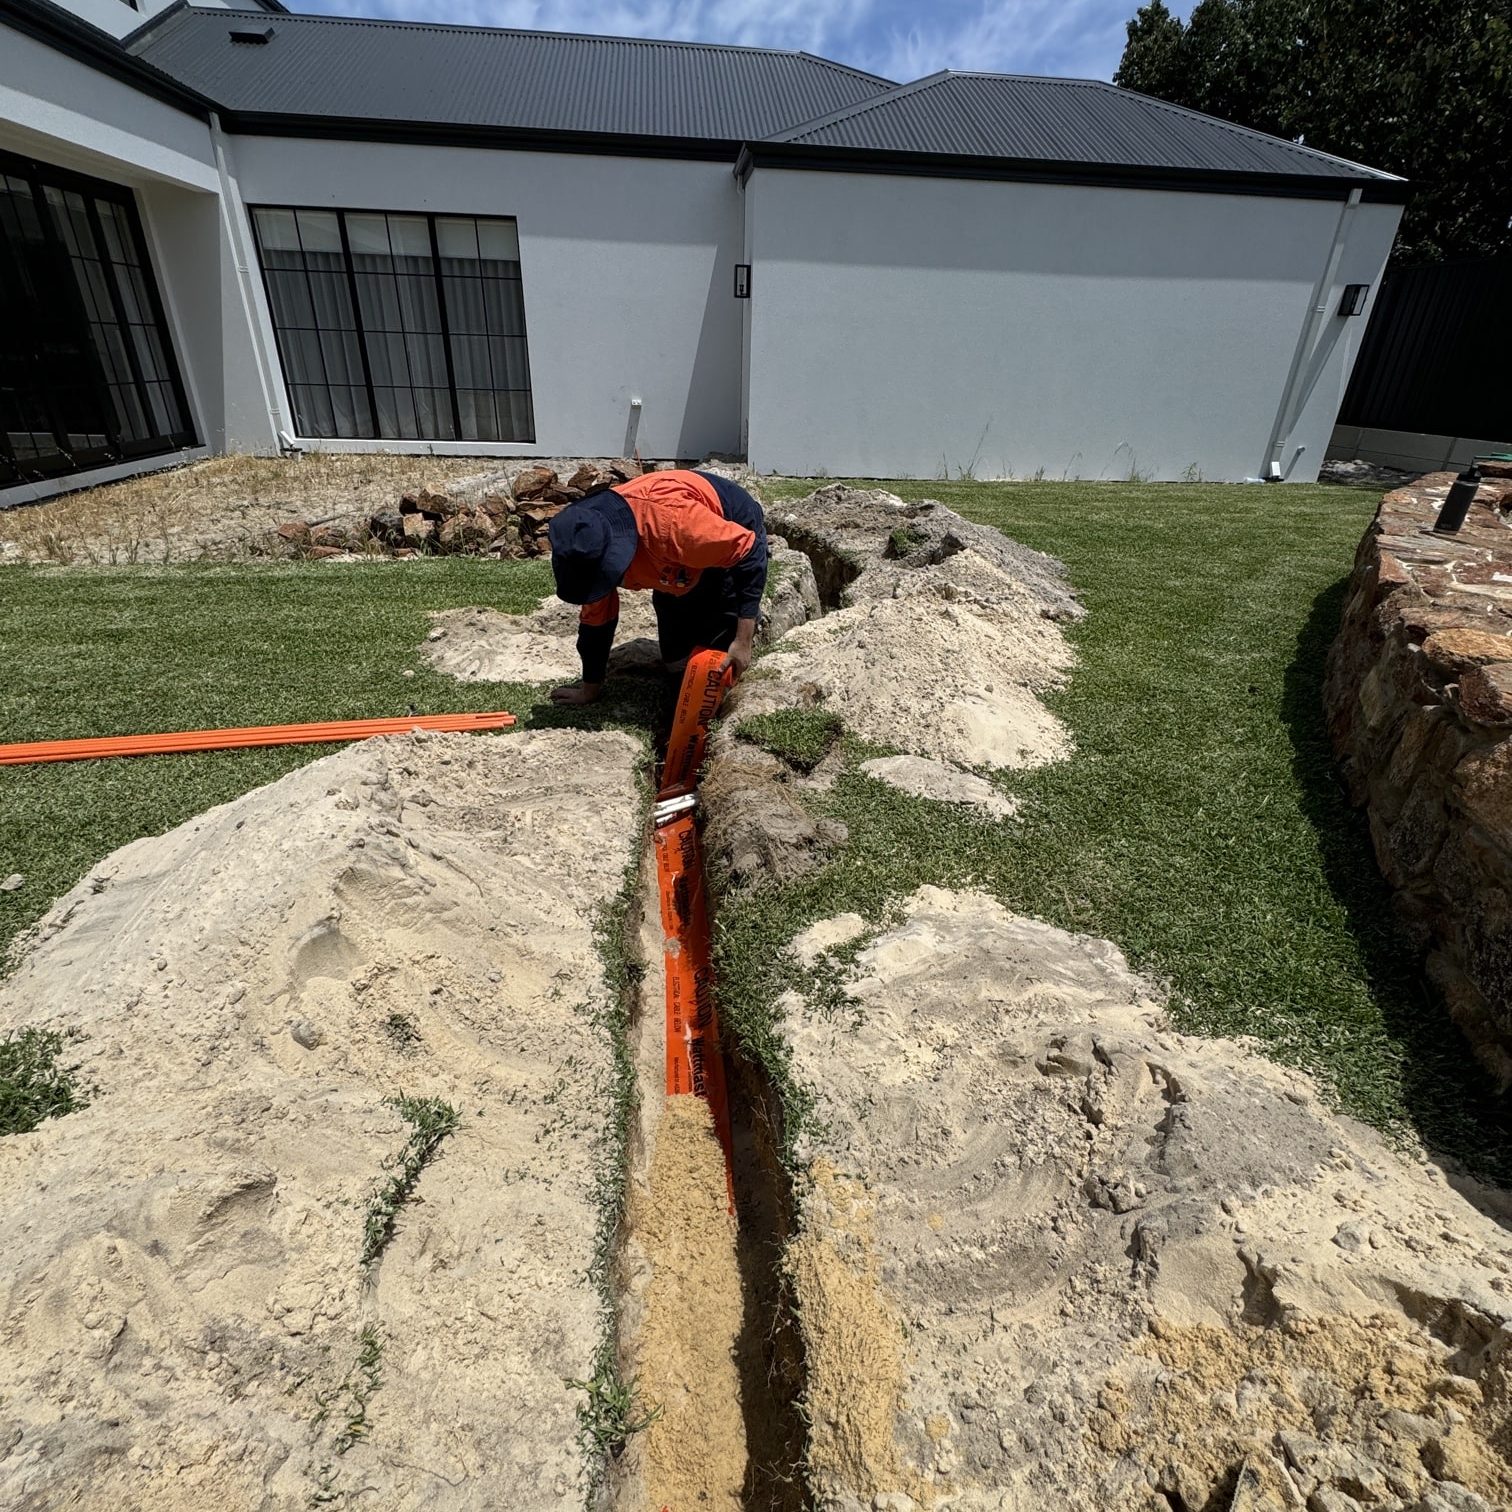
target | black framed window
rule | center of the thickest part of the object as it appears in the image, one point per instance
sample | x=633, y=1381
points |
x=398, y=327
x=87, y=371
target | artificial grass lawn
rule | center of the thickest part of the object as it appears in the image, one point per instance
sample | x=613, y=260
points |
x=1200, y=824
x=108, y=651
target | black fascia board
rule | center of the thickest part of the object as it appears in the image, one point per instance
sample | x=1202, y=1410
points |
x=447, y=134
x=1039, y=171
x=86, y=44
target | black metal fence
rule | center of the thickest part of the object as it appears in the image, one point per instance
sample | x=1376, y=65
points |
x=1437, y=357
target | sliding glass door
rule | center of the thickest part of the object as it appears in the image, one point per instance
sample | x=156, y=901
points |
x=87, y=372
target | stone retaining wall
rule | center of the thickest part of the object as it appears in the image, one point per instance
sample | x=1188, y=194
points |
x=1419, y=702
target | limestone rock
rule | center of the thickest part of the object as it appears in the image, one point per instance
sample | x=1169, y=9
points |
x=1418, y=695
x=1457, y=651
x=533, y=483
x=1485, y=694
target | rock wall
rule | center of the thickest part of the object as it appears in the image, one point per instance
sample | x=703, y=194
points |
x=1419, y=701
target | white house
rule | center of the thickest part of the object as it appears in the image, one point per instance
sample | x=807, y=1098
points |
x=230, y=229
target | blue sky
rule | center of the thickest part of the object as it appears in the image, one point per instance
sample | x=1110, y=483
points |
x=900, y=39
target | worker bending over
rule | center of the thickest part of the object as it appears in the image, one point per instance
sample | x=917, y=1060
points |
x=697, y=541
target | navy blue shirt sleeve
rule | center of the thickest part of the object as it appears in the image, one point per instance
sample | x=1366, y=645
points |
x=749, y=574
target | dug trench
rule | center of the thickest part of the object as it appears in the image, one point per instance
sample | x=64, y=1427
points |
x=709, y=1332
x=705, y=1347
x=703, y=1317
x=705, y=1326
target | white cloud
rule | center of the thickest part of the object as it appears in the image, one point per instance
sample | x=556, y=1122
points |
x=1075, y=38
x=900, y=39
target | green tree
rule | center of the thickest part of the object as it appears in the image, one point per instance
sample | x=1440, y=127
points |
x=1422, y=88
x=1152, y=56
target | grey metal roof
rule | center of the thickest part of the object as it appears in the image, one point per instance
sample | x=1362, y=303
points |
x=493, y=79
x=1081, y=121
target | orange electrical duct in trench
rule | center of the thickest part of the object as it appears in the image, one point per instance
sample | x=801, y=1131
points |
x=245, y=736
x=695, y=1061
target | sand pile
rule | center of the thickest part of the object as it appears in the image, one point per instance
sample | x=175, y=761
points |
x=482, y=645
x=185, y=1322
x=941, y=638
x=1054, y=1255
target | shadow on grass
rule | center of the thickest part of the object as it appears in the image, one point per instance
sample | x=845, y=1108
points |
x=1453, y=1105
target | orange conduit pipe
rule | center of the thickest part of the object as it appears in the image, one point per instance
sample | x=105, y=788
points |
x=245, y=736
x=695, y=1063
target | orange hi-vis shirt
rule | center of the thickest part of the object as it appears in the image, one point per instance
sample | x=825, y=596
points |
x=682, y=529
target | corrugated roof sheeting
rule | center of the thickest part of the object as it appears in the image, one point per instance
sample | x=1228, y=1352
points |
x=510, y=80
x=1056, y=120
x=482, y=79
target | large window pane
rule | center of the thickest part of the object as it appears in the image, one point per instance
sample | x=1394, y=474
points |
x=380, y=339
x=499, y=240
x=87, y=373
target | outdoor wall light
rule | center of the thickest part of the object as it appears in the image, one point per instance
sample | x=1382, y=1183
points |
x=742, y=280
x=1353, y=302
x=1453, y=510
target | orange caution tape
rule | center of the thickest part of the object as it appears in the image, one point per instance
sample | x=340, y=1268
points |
x=245, y=736
x=703, y=686
x=695, y=1062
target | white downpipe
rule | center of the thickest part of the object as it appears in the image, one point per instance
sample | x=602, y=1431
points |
x=1291, y=396
x=233, y=216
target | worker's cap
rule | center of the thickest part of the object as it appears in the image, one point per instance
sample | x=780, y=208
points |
x=592, y=543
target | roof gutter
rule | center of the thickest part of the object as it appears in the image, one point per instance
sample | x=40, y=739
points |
x=448, y=134
x=815, y=159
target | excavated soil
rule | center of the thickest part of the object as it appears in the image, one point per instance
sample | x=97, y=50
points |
x=182, y=1307
x=483, y=645
x=1054, y=1255
x=941, y=637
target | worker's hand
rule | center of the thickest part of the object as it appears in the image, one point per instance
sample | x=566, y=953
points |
x=576, y=694
x=737, y=658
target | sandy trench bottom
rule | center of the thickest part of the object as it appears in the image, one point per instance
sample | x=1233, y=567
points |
x=184, y=1321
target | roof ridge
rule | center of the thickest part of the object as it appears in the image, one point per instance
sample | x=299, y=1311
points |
x=858, y=73
x=213, y=13
x=988, y=73
x=845, y=112
x=1251, y=132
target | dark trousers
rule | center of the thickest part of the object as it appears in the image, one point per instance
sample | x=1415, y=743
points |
x=702, y=618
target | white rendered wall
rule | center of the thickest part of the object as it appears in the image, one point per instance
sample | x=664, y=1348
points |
x=118, y=18
x=628, y=269
x=917, y=327
x=55, y=107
